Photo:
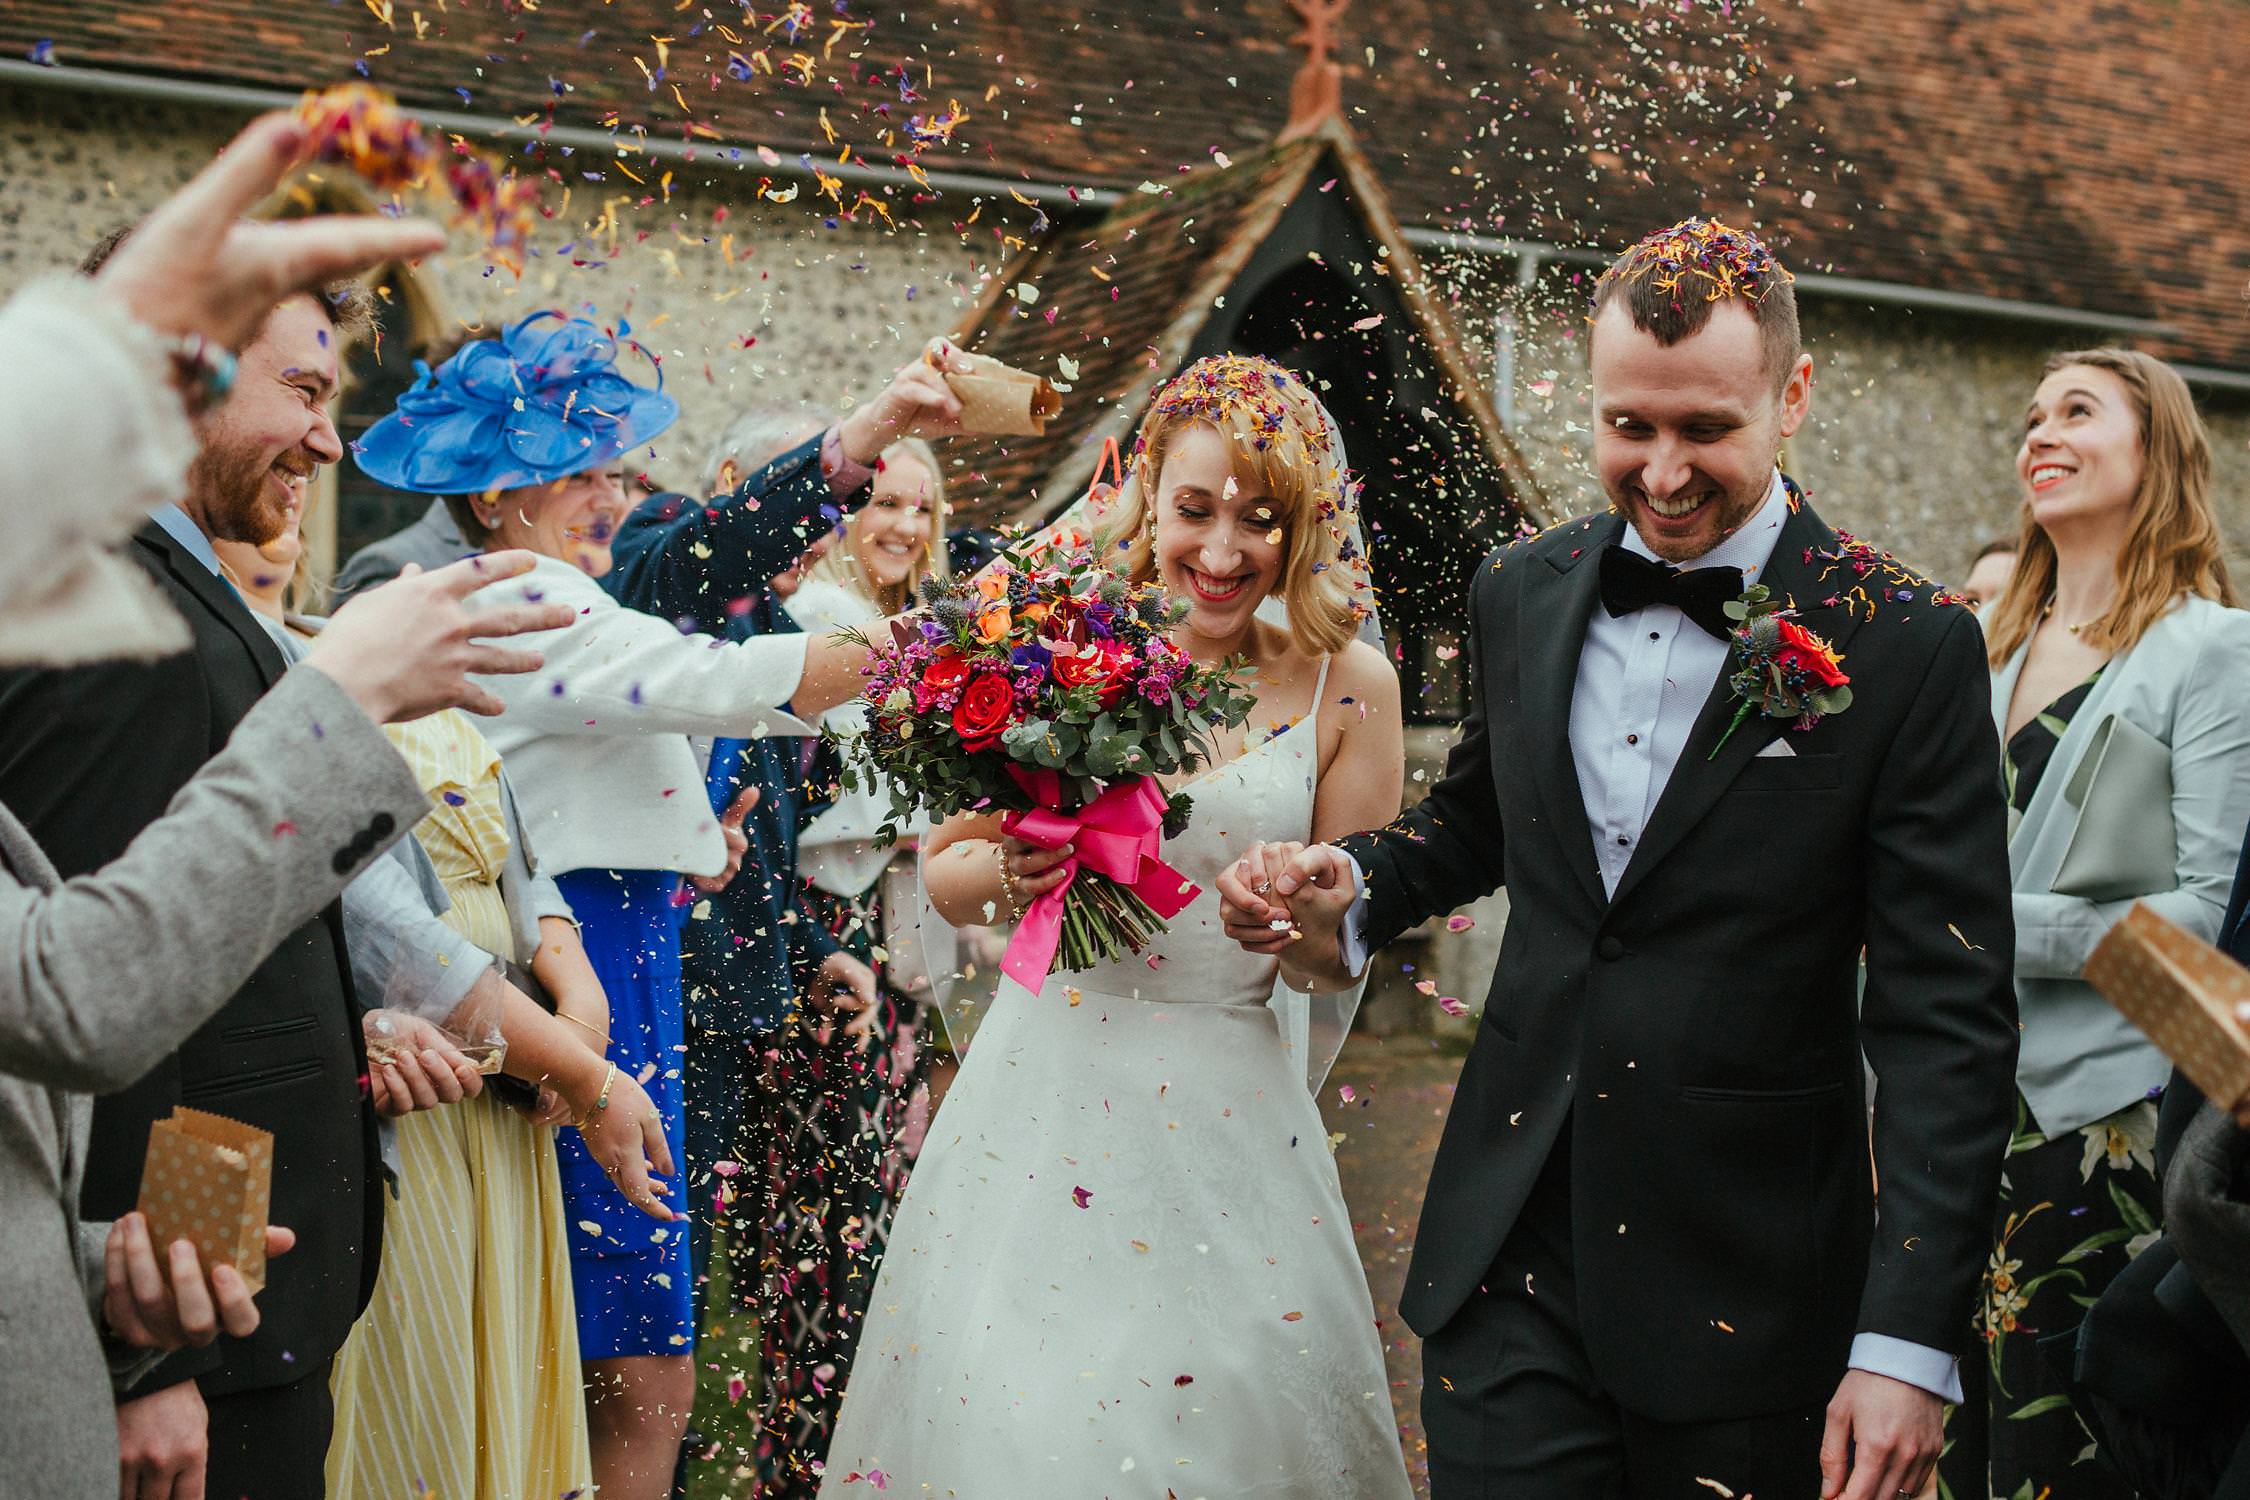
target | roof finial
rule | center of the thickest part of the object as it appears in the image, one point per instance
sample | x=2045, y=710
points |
x=1317, y=94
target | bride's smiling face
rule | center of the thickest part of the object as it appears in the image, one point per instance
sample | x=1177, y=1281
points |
x=1220, y=539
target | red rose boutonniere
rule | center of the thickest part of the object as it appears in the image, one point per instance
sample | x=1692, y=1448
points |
x=1781, y=669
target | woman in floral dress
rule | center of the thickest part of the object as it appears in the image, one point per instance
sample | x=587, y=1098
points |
x=2119, y=621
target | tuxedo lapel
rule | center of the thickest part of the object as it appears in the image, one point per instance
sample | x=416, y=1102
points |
x=217, y=595
x=1558, y=598
x=1802, y=556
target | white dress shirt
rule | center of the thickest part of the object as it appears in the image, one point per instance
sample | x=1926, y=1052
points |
x=1642, y=680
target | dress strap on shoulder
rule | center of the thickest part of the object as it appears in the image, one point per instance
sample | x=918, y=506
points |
x=1320, y=685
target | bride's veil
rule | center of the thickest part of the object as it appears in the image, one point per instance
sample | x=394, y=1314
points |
x=962, y=965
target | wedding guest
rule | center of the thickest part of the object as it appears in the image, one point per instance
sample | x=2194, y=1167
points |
x=2118, y=621
x=1989, y=571
x=755, y=1064
x=2160, y=1369
x=463, y=1373
x=740, y=962
x=527, y=435
x=845, y=1149
x=106, y=973
x=92, y=757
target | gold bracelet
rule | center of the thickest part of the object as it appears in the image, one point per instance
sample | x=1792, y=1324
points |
x=588, y=1025
x=1008, y=888
x=601, y=1100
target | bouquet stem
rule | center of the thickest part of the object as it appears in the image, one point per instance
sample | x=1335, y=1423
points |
x=1103, y=922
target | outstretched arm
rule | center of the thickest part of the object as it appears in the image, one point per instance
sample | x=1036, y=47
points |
x=72, y=1015
x=1938, y=1024
x=682, y=558
x=1445, y=851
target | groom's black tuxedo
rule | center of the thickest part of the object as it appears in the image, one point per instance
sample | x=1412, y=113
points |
x=1699, y=1035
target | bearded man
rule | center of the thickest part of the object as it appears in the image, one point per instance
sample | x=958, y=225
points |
x=91, y=756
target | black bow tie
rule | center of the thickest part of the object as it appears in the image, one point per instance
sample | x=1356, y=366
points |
x=1631, y=581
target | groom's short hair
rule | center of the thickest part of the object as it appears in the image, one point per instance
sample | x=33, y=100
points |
x=1671, y=281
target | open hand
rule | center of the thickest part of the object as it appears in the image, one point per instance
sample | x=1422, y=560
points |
x=738, y=844
x=627, y=1138
x=412, y=646
x=1882, y=1438
x=163, y=1301
x=198, y=266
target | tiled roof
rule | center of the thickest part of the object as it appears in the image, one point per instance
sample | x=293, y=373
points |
x=2075, y=153
x=1120, y=301
x=1124, y=300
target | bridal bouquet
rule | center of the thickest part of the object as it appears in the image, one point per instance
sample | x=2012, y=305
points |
x=1046, y=688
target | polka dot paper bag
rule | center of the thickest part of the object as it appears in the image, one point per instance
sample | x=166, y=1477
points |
x=2182, y=992
x=210, y=1179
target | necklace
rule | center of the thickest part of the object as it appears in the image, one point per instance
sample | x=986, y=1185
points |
x=2049, y=611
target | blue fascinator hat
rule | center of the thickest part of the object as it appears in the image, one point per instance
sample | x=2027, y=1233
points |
x=541, y=402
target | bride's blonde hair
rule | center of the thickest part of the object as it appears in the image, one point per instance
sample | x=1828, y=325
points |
x=1280, y=439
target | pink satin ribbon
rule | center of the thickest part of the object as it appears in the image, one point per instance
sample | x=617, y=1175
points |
x=1116, y=835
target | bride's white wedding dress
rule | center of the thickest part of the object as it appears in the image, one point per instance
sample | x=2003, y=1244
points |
x=1123, y=1264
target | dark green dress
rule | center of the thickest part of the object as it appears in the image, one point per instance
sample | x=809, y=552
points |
x=2073, y=1211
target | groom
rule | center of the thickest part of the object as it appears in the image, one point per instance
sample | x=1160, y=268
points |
x=1652, y=1261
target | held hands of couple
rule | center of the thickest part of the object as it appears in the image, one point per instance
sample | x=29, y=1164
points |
x=1289, y=900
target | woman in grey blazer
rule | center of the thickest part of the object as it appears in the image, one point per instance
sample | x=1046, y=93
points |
x=2120, y=662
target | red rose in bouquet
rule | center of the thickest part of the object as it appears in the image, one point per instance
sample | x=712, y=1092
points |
x=1103, y=665
x=984, y=711
x=1802, y=649
x=947, y=670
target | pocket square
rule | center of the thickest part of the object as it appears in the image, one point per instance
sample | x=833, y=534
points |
x=1777, y=750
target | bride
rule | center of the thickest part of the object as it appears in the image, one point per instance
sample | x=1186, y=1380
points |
x=1123, y=1264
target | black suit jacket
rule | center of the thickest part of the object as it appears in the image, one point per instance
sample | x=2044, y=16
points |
x=89, y=757
x=1700, y=1032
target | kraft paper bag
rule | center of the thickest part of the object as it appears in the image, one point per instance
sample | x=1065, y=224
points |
x=999, y=400
x=210, y=1179
x=2182, y=992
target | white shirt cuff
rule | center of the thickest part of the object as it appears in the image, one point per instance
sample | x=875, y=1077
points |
x=1351, y=936
x=1915, y=1364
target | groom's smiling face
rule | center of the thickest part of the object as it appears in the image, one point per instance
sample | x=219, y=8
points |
x=1686, y=435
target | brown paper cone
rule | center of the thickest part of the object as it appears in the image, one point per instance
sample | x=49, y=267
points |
x=2182, y=992
x=998, y=400
x=209, y=1179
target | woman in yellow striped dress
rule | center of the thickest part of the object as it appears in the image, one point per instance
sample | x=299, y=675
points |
x=461, y=1380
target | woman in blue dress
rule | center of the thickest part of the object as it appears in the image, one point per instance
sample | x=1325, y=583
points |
x=527, y=435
